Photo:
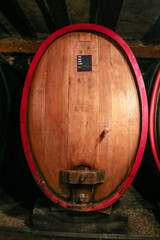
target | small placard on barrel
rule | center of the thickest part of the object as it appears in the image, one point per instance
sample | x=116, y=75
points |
x=84, y=63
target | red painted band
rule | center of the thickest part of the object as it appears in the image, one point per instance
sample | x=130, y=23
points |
x=152, y=120
x=144, y=112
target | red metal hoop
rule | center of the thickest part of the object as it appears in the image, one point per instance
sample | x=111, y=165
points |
x=151, y=120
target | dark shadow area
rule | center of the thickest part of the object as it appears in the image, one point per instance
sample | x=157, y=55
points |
x=153, y=34
x=15, y=176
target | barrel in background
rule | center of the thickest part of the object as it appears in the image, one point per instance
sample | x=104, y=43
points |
x=84, y=117
x=147, y=180
x=154, y=119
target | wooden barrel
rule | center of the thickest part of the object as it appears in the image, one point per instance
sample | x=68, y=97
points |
x=147, y=180
x=84, y=117
x=154, y=117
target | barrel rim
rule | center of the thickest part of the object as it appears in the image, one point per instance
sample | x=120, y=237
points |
x=152, y=120
x=144, y=112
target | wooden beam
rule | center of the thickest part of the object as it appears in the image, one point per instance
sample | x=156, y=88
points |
x=108, y=12
x=13, y=12
x=59, y=12
x=47, y=15
x=19, y=46
x=148, y=51
x=31, y=46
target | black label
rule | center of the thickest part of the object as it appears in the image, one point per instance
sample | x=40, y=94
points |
x=84, y=63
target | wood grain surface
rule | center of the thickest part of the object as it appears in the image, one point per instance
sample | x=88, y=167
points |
x=83, y=118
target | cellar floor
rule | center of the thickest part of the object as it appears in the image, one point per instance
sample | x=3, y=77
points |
x=132, y=217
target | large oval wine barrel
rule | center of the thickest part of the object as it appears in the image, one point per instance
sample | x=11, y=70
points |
x=84, y=117
x=147, y=181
